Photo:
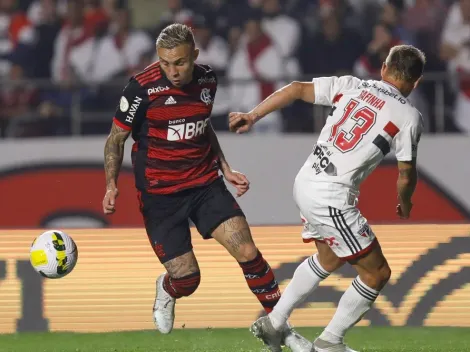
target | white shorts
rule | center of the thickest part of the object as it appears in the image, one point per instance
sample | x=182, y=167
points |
x=346, y=232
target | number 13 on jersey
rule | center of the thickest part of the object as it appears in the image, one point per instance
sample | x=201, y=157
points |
x=364, y=118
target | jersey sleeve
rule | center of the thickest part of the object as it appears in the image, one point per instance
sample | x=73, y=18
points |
x=326, y=88
x=131, y=107
x=407, y=139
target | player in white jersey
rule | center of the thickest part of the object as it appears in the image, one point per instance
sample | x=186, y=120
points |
x=368, y=119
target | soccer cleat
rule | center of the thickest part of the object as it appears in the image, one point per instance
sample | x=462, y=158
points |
x=295, y=341
x=264, y=330
x=324, y=346
x=163, y=308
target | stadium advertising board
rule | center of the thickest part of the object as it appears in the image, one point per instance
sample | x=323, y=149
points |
x=63, y=182
x=113, y=285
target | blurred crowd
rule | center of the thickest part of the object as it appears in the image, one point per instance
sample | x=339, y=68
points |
x=65, y=62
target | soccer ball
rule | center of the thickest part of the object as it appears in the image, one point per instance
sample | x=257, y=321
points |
x=53, y=254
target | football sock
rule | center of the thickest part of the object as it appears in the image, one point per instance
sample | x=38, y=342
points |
x=261, y=281
x=183, y=286
x=355, y=302
x=306, y=279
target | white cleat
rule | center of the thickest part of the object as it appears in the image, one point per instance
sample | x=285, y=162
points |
x=163, y=308
x=295, y=341
x=264, y=330
x=324, y=346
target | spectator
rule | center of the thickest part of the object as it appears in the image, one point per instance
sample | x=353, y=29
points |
x=455, y=49
x=18, y=98
x=370, y=63
x=213, y=50
x=285, y=33
x=15, y=28
x=334, y=49
x=47, y=22
x=392, y=16
x=258, y=63
x=73, y=33
x=106, y=56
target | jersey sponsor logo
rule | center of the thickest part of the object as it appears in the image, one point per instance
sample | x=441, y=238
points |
x=170, y=101
x=205, y=80
x=386, y=92
x=134, y=107
x=188, y=130
x=156, y=90
x=206, y=96
x=323, y=162
x=123, y=104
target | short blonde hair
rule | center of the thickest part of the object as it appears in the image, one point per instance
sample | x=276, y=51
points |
x=174, y=35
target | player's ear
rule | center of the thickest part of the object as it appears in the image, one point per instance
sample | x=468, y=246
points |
x=195, y=54
x=417, y=82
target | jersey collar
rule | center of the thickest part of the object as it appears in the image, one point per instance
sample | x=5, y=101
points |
x=391, y=85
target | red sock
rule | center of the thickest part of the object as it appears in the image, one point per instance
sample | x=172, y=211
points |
x=181, y=287
x=261, y=281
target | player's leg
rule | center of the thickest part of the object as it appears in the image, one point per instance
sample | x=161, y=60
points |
x=357, y=245
x=218, y=215
x=167, y=227
x=307, y=277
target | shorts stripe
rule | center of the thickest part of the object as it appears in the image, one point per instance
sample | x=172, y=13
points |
x=363, y=292
x=349, y=230
x=316, y=269
x=333, y=217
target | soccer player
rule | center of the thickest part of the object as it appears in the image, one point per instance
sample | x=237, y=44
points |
x=367, y=120
x=176, y=158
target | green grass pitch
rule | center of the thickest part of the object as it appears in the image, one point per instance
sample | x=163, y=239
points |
x=364, y=339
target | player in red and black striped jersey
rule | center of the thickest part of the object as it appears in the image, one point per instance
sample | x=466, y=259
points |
x=177, y=158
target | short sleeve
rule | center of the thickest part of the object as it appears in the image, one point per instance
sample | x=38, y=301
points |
x=326, y=88
x=407, y=139
x=130, y=107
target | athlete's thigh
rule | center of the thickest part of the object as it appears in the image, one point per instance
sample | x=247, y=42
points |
x=346, y=232
x=213, y=206
x=167, y=225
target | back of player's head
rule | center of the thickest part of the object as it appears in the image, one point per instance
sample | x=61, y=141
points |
x=174, y=35
x=406, y=63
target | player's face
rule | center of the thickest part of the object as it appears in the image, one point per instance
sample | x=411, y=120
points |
x=178, y=63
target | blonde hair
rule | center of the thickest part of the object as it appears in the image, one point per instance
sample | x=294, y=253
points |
x=174, y=35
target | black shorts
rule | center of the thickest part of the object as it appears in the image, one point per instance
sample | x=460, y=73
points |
x=166, y=216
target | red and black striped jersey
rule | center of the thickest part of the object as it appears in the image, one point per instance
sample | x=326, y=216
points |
x=172, y=149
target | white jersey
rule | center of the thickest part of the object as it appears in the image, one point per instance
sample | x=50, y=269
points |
x=367, y=120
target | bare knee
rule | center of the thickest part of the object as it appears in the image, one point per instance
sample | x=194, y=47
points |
x=246, y=252
x=377, y=279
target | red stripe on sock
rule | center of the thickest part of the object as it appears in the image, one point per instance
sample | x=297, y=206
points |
x=261, y=281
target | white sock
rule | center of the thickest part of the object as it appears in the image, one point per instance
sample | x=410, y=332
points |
x=306, y=279
x=354, y=303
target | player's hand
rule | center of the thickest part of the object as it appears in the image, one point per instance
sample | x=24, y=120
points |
x=240, y=122
x=404, y=210
x=238, y=180
x=109, y=201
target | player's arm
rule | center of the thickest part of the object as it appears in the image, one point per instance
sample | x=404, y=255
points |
x=321, y=91
x=406, y=152
x=114, y=154
x=129, y=110
x=279, y=99
x=406, y=185
x=237, y=179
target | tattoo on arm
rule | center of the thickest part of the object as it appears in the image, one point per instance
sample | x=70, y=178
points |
x=114, y=153
x=183, y=265
x=407, y=180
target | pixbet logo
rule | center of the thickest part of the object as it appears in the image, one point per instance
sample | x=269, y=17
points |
x=156, y=90
x=180, y=129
